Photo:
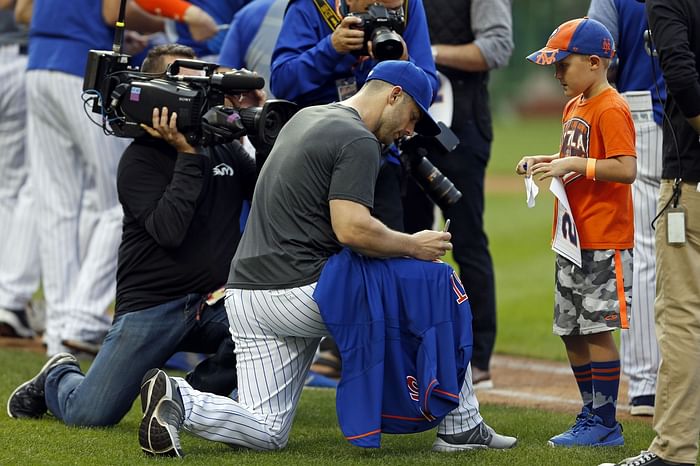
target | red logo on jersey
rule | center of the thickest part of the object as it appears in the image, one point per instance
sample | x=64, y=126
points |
x=412, y=384
x=574, y=143
x=458, y=288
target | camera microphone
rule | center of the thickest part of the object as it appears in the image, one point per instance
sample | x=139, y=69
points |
x=234, y=83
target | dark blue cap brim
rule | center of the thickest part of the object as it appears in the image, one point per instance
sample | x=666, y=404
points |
x=426, y=126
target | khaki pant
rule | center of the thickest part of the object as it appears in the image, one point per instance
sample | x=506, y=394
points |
x=677, y=308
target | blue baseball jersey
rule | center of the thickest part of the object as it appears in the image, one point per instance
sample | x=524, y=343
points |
x=305, y=66
x=241, y=33
x=403, y=328
x=626, y=20
x=62, y=32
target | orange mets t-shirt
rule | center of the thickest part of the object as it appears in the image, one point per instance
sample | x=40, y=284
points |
x=600, y=127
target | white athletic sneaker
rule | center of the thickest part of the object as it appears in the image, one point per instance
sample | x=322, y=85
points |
x=480, y=437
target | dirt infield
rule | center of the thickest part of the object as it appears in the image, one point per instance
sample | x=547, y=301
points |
x=518, y=381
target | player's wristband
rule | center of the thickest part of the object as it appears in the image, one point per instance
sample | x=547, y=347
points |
x=173, y=9
x=590, y=168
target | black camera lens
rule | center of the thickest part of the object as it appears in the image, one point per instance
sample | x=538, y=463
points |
x=436, y=185
x=386, y=44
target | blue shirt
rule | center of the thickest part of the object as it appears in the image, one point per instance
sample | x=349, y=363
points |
x=62, y=32
x=403, y=328
x=221, y=11
x=241, y=33
x=305, y=66
x=626, y=20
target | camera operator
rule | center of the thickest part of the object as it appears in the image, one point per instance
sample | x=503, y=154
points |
x=181, y=227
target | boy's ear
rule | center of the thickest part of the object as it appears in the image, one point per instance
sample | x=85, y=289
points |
x=595, y=61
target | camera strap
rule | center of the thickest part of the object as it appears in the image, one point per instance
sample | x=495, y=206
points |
x=334, y=17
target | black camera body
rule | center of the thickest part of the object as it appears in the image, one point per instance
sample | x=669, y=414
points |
x=415, y=153
x=383, y=28
x=126, y=97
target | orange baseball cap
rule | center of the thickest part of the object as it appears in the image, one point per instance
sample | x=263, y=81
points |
x=583, y=36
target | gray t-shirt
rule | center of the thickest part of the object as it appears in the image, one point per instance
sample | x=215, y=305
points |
x=322, y=153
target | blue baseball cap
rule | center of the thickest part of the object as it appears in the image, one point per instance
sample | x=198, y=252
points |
x=414, y=82
x=584, y=36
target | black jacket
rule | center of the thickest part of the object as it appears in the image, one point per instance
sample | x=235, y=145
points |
x=181, y=220
x=675, y=26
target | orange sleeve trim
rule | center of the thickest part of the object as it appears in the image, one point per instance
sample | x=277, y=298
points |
x=173, y=9
x=374, y=432
x=620, y=282
x=443, y=392
x=403, y=418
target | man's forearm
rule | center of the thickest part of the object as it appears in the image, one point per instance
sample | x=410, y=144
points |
x=465, y=57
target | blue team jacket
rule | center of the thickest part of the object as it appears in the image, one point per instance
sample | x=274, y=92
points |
x=305, y=66
x=403, y=327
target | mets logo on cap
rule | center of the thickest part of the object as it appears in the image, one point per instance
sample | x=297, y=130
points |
x=584, y=36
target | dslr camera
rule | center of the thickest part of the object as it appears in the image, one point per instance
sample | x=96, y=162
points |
x=415, y=153
x=383, y=28
x=125, y=98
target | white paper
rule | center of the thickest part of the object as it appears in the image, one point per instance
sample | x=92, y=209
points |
x=531, y=189
x=566, y=241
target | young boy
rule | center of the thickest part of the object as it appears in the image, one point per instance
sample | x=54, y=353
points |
x=597, y=164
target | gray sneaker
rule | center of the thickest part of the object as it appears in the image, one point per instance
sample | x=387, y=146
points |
x=27, y=400
x=481, y=436
x=163, y=415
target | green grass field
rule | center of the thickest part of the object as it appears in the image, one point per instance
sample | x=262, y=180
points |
x=524, y=279
x=315, y=437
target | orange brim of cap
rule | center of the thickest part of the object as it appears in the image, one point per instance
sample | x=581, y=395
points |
x=547, y=56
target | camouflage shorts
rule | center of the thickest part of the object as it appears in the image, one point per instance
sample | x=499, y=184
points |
x=587, y=299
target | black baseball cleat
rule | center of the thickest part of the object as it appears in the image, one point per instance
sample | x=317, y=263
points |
x=27, y=400
x=163, y=415
x=645, y=458
x=480, y=437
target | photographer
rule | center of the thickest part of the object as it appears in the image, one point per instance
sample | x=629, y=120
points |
x=315, y=62
x=181, y=228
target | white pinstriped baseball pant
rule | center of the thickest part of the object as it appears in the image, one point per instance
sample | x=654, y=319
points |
x=276, y=334
x=639, y=348
x=19, y=255
x=72, y=159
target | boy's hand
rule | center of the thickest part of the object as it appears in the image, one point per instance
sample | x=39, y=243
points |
x=524, y=167
x=556, y=167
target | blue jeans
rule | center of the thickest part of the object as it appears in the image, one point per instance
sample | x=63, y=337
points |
x=137, y=342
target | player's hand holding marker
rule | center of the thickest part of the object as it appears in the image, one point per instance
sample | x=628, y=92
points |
x=432, y=244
